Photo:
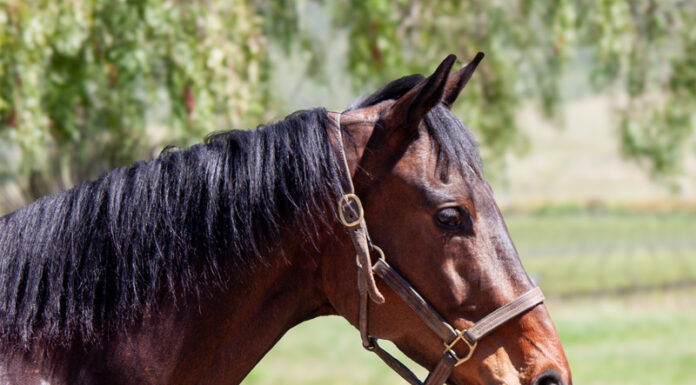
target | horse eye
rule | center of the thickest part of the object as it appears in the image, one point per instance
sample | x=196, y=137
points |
x=450, y=218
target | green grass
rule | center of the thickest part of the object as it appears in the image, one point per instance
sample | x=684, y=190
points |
x=324, y=351
x=639, y=340
x=570, y=254
x=646, y=338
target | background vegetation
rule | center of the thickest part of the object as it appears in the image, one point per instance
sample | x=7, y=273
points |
x=86, y=86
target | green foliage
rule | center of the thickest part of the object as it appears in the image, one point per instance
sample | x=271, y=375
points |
x=87, y=86
x=83, y=84
x=644, y=48
x=647, y=47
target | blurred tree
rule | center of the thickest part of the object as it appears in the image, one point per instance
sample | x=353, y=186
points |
x=80, y=81
x=645, y=49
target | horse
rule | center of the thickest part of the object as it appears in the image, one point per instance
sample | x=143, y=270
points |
x=188, y=268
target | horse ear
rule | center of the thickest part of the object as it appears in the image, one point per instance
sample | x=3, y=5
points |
x=411, y=108
x=458, y=80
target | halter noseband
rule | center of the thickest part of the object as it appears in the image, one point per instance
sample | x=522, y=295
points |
x=351, y=215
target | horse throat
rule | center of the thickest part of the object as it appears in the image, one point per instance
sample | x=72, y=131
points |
x=244, y=323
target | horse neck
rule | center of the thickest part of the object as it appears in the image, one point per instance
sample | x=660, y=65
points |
x=222, y=340
x=217, y=339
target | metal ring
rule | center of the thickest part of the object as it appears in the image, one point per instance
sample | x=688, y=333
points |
x=472, y=347
x=373, y=247
x=379, y=251
x=343, y=202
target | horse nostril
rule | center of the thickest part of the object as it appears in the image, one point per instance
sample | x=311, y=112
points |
x=549, y=377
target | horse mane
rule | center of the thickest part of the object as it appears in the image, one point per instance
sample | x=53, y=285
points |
x=88, y=260
x=80, y=264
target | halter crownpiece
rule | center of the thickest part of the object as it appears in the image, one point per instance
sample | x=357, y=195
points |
x=351, y=214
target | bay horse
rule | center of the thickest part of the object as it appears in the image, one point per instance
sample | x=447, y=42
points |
x=187, y=269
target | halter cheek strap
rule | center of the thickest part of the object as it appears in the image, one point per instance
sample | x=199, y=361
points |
x=351, y=214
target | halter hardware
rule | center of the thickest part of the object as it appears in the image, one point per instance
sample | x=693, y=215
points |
x=350, y=210
x=373, y=247
x=449, y=348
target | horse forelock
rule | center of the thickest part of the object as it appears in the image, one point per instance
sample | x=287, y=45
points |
x=83, y=263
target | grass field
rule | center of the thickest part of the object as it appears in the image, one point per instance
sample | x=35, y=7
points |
x=642, y=337
x=580, y=253
x=645, y=339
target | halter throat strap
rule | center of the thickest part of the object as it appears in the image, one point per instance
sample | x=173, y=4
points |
x=351, y=214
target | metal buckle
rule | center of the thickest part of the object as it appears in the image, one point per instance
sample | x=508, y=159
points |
x=344, y=202
x=460, y=337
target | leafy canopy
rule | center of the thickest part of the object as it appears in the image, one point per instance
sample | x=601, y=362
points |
x=88, y=86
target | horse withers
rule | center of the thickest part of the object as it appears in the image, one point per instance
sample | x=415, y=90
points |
x=189, y=268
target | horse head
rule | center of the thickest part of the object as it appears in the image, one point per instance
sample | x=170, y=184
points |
x=426, y=204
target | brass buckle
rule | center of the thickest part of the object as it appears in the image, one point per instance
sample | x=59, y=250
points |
x=343, y=202
x=460, y=337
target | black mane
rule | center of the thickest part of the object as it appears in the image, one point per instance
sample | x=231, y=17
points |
x=88, y=260
x=82, y=263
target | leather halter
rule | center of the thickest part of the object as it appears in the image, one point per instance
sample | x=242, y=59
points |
x=351, y=215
